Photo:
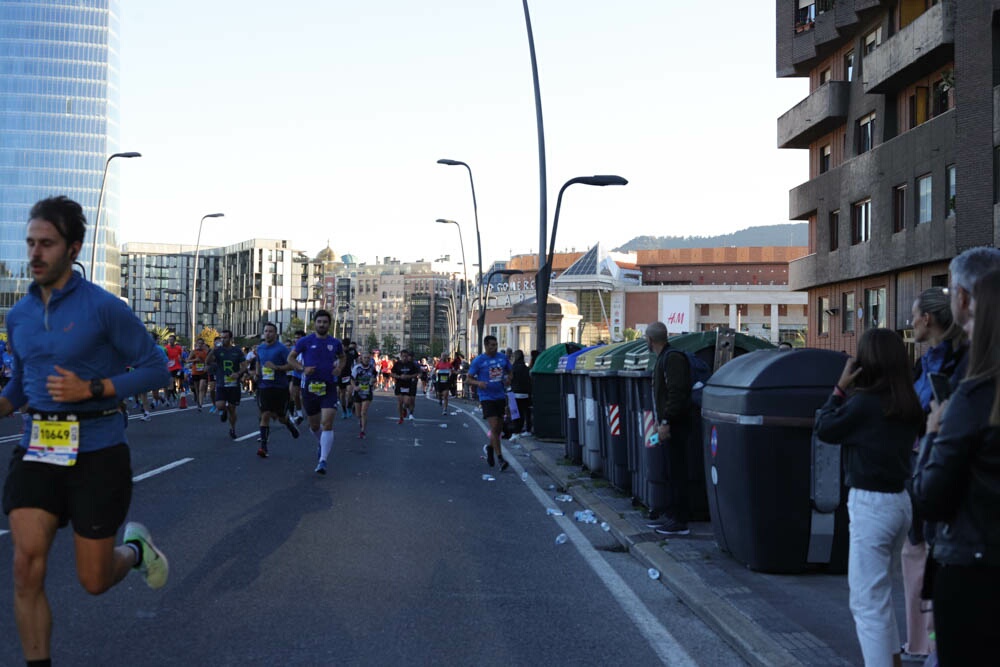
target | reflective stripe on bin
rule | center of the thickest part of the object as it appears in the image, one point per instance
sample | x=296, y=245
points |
x=757, y=420
x=648, y=428
x=613, y=420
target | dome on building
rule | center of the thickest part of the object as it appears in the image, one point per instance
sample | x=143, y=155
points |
x=350, y=259
x=326, y=254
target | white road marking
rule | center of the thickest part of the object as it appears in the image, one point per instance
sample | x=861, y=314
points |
x=664, y=644
x=157, y=471
x=4, y=532
x=247, y=436
x=416, y=442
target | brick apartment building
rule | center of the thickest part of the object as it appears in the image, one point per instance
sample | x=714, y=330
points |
x=903, y=115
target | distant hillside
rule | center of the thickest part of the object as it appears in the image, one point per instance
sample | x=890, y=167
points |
x=796, y=234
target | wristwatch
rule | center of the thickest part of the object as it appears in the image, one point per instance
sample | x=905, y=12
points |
x=97, y=388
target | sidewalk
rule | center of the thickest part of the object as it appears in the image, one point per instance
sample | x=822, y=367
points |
x=769, y=619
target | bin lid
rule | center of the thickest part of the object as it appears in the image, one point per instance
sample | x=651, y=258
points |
x=774, y=369
x=612, y=358
x=567, y=362
x=585, y=362
x=548, y=360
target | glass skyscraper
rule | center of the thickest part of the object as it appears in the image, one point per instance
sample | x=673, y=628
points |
x=59, y=88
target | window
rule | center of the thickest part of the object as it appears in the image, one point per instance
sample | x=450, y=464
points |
x=847, y=314
x=849, y=66
x=873, y=40
x=866, y=133
x=824, y=159
x=861, y=221
x=825, y=76
x=919, y=106
x=823, y=316
x=899, y=208
x=875, y=308
x=806, y=13
x=940, y=101
x=834, y=229
x=924, y=199
x=949, y=192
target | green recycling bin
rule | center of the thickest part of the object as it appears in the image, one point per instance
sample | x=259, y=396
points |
x=546, y=392
x=587, y=419
x=609, y=389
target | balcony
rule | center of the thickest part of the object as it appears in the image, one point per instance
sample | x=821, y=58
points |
x=917, y=50
x=816, y=115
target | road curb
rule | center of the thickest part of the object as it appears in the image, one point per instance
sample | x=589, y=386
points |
x=750, y=640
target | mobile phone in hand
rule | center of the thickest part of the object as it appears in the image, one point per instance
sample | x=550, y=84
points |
x=940, y=386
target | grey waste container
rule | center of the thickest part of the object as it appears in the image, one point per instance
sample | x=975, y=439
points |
x=635, y=376
x=567, y=364
x=758, y=413
x=609, y=389
x=588, y=422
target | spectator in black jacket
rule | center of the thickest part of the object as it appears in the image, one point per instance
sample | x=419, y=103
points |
x=957, y=483
x=876, y=425
x=672, y=401
x=520, y=384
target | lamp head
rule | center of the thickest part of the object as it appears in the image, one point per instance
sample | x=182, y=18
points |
x=602, y=180
x=216, y=215
x=127, y=154
x=450, y=163
x=446, y=222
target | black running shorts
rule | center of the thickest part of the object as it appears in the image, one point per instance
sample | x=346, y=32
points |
x=273, y=399
x=94, y=494
x=495, y=408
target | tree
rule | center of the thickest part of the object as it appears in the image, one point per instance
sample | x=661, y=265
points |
x=630, y=334
x=208, y=334
x=294, y=324
x=371, y=341
x=160, y=334
x=390, y=345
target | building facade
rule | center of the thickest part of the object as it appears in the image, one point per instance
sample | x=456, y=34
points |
x=59, y=91
x=903, y=113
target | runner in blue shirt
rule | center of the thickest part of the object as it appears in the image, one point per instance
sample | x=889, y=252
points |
x=491, y=373
x=272, y=386
x=322, y=359
x=72, y=341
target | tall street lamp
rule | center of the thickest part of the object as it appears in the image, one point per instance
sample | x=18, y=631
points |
x=465, y=281
x=545, y=272
x=194, y=277
x=479, y=244
x=100, y=203
x=489, y=281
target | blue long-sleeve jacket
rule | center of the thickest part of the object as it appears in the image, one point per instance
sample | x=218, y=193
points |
x=93, y=333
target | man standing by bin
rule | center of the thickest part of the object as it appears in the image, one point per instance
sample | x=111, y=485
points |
x=672, y=402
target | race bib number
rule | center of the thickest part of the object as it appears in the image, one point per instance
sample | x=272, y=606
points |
x=345, y=380
x=54, y=442
x=364, y=387
x=317, y=388
x=231, y=380
x=199, y=367
x=496, y=373
x=404, y=390
x=267, y=373
x=443, y=376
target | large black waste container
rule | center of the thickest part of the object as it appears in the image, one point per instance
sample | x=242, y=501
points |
x=567, y=364
x=635, y=377
x=546, y=390
x=609, y=389
x=758, y=413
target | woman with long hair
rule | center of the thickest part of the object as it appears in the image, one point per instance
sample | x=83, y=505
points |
x=957, y=483
x=947, y=354
x=875, y=415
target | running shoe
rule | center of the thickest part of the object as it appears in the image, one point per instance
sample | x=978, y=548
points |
x=232, y=434
x=410, y=417
x=145, y=417
x=298, y=419
x=291, y=429
x=361, y=435
x=673, y=527
x=153, y=566
x=488, y=450
x=503, y=463
x=400, y=421
x=262, y=452
x=211, y=409
x=320, y=468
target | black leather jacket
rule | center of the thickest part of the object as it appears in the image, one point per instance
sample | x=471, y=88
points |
x=957, y=479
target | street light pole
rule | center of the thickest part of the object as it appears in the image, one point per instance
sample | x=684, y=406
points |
x=489, y=281
x=545, y=273
x=479, y=244
x=194, y=277
x=465, y=281
x=542, y=282
x=100, y=203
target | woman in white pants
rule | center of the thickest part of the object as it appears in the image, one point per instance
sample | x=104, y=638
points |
x=875, y=415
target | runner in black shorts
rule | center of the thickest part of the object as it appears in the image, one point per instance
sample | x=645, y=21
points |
x=230, y=364
x=272, y=386
x=442, y=381
x=344, y=389
x=363, y=378
x=405, y=372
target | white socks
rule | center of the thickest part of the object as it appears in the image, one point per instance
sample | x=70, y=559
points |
x=325, y=444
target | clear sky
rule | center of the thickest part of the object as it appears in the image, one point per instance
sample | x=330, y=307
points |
x=315, y=120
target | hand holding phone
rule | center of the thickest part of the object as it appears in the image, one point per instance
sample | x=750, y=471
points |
x=940, y=386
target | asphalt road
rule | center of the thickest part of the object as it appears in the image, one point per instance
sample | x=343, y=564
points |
x=402, y=554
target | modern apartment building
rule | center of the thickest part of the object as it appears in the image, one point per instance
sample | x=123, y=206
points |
x=59, y=90
x=903, y=115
